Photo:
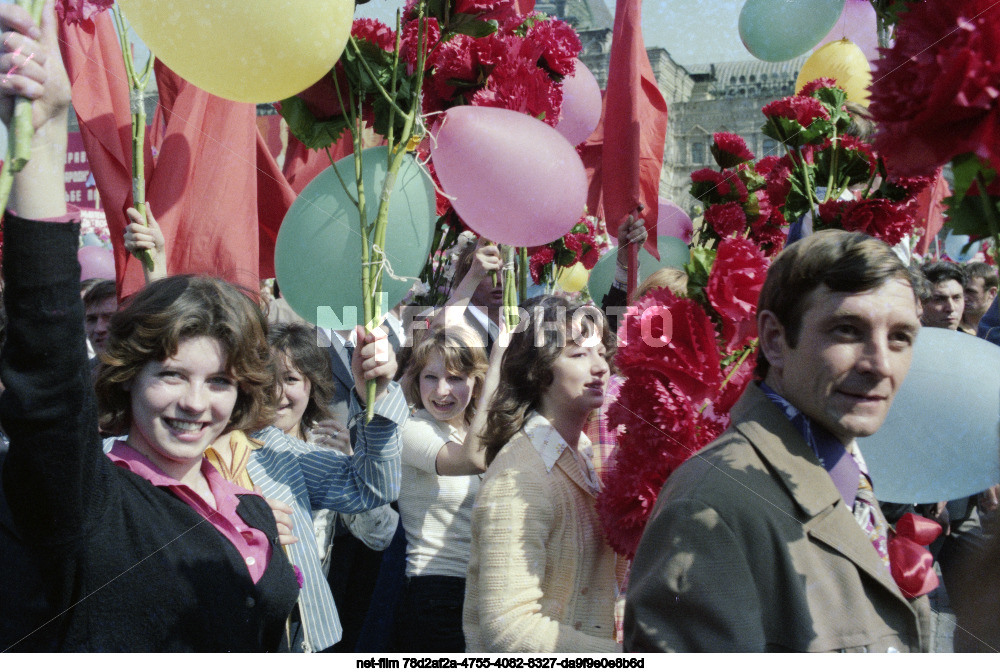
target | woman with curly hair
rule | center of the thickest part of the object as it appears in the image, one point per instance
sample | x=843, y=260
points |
x=541, y=578
x=446, y=381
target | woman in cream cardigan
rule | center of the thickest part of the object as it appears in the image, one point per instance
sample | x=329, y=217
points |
x=541, y=577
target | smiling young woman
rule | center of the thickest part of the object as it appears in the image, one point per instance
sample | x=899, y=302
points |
x=541, y=578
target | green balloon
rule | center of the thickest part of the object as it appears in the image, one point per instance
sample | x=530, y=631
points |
x=780, y=30
x=673, y=253
x=317, y=256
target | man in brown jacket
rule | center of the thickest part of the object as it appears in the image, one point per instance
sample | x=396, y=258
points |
x=769, y=539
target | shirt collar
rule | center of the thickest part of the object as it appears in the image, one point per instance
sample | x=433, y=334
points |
x=550, y=445
x=127, y=457
x=842, y=463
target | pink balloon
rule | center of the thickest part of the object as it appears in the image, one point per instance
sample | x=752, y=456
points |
x=581, y=106
x=856, y=23
x=672, y=221
x=96, y=262
x=512, y=178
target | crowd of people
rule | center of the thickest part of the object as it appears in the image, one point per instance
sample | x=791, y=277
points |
x=191, y=469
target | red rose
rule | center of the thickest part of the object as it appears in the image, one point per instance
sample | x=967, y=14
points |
x=726, y=219
x=730, y=150
x=935, y=94
x=733, y=288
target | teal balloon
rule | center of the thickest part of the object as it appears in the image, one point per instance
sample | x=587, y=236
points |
x=317, y=256
x=940, y=440
x=780, y=30
x=673, y=253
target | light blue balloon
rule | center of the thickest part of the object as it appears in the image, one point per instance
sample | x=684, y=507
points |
x=317, y=256
x=92, y=239
x=780, y=30
x=673, y=252
x=941, y=439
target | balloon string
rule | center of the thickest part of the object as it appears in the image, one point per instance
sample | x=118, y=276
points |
x=425, y=161
x=385, y=266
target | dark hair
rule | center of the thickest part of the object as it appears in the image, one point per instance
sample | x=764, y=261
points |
x=464, y=262
x=921, y=287
x=979, y=269
x=99, y=292
x=158, y=318
x=838, y=260
x=526, y=368
x=942, y=271
x=463, y=355
x=297, y=342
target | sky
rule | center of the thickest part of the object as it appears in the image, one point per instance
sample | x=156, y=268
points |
x=693, y=31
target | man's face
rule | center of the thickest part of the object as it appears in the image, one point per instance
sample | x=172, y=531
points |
x=944, y=308
x=978, y=299
x=853, y=352
x=486, y=295
x=96, y=320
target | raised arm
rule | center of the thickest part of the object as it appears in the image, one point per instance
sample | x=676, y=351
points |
x=54, y=470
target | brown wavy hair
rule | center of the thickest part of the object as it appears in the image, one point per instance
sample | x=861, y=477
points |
x=297, y=342
x=526, y=368
x=156, y=320
x=462, y=357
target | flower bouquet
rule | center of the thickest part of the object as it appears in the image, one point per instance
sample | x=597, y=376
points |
x=583, y=245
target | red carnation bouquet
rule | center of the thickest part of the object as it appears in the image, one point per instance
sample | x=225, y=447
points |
x=686, y=361
x=584, y=244
x=936, y=100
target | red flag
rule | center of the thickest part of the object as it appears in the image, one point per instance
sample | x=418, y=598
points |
x=274, y=197
x=303, y=164
x=100, y=93
x=930, y=211
x=203, y=191
x=624, y=156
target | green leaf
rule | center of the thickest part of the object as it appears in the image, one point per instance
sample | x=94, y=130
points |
x=473, y=27
x=698, y=269
x=965, y=167
x=966, y=216
x=304, y=126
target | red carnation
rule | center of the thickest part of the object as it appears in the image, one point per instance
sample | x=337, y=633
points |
x=815, y=85
x=736, y=386
x=410, y=40
x=730, y=150
x=801, y=109
x=487, y=9
x=733, y=289
x=726, y=219
x=542, y=257
x=374, y=31
x=519, y=85
x=560, y=45
x=590, y=258
x=878, y=217
x=687, y=355
x=80, y=11
x=935, y=95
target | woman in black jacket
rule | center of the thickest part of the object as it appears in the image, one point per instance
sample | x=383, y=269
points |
x=150, y=550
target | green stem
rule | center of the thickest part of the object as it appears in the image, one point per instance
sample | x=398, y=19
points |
x=725, y=381
x=22, y=127
x=385, y=94
x=808, y=188
x=522, y=287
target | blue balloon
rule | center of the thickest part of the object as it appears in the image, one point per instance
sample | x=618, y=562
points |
x=780, y=30
x=941, y=439
x=317, y=256
x=673, y=252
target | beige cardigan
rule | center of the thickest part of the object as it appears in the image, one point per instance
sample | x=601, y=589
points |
x=541, y=577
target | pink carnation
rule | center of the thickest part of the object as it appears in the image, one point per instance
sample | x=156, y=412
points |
x=815, y=85
x=376, y=32
x=802, y=109
x=733, y=288
x=560, y=45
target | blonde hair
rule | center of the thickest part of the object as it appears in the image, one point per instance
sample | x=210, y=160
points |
x=457, y=348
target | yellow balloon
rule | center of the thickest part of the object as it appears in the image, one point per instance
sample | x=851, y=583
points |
x=572, y=279
x=844, y=61
x=250, y=51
